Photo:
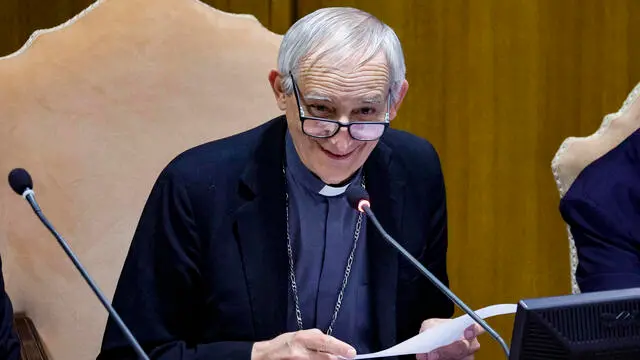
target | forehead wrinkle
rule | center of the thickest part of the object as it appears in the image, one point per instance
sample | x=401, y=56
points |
x=355, y=84
x=369, y=100
x=322, y=87
x=371, y=74
x=312, y=63
x=366, y=85
x=361, y=94
x=364, y=92
x=346, y=79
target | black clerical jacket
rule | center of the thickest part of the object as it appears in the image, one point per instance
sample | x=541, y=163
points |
x=9, y=341
x=206, y=273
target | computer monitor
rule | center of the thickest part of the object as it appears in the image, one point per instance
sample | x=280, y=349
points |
x=599, y=325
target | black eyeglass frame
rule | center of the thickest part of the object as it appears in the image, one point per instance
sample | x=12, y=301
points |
x=303, y=118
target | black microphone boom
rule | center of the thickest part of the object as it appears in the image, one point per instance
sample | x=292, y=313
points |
x=20, y=181
x=358, y=198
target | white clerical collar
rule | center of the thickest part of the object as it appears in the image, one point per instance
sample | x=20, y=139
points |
x=307, y=179
x=329, y=190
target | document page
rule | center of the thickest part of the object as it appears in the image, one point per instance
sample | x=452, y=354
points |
x=440, y=335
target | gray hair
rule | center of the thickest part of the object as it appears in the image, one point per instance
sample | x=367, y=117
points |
x=344, y=34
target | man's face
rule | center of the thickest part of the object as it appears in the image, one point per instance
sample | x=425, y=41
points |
x=346, y=95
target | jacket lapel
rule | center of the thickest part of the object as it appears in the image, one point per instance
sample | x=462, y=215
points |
x=385, y=188
x=261, y=232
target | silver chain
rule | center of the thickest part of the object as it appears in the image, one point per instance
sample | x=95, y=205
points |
x=347, y=271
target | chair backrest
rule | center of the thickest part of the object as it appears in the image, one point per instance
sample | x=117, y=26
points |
x=94, y=109
x=31, y=345
x=576, y=153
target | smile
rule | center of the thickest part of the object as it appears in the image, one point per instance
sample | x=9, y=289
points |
x=334, y=156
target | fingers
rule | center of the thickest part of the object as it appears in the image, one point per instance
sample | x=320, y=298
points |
x=473, y=331
x=459, y=350
x=317, y=341
x=456, y=350
x=474, y=346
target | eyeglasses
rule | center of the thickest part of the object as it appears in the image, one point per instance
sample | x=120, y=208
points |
x=365, y=127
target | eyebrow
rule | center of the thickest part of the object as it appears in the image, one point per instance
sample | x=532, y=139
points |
x=377, y=99
x=317, y=97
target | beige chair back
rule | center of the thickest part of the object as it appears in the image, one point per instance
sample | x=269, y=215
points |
x=94, y=109
x=576, y=153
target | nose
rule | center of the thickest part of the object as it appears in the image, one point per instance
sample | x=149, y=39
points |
x=342, y=140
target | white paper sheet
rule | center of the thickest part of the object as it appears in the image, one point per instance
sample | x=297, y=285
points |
x=440, y=335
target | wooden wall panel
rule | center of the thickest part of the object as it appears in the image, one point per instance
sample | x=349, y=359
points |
x=276, y=15
x=496, y=85
x=20, y=18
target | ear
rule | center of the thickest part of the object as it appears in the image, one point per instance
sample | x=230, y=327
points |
x=278, y=90
x=401, y=94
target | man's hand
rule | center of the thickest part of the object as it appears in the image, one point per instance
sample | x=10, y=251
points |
x=462, y=349
x=302, y=345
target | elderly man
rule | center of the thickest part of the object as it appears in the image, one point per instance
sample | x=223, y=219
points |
x=247, y=247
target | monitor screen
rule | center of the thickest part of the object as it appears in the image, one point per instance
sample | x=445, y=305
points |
x=598, y=325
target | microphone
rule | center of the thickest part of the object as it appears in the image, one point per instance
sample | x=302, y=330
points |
x=358, y=198
x=20, y=181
